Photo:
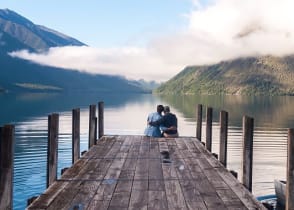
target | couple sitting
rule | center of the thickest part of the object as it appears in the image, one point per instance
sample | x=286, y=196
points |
x=159, y=125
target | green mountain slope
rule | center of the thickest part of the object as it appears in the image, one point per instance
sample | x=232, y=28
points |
x=265, y=75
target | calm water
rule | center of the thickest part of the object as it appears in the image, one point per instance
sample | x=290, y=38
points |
x=126, y=114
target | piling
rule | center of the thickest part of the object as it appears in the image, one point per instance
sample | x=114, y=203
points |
x=52, y=150
x=248, y=125
x=290, y=169
x=6, y=166
x=75, y=135
x=199, y=122
x=223, y=137
x=209, y=112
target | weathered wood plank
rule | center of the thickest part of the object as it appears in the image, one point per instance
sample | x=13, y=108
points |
x=157, y=200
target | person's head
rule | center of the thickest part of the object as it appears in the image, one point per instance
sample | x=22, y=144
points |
x=160, y=108
x=166, y=109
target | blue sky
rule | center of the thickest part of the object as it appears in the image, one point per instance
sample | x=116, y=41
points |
x=107, y=23
x=156, y=39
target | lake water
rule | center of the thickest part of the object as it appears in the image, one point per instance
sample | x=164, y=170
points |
x=127, y=113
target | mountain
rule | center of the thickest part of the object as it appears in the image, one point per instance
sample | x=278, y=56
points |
x=17, y=33
x=14, y=27
x=265, y=75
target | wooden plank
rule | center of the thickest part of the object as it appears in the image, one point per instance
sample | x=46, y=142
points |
x=139, y=194
x=157, y=200
x=75, y=135
x=139, y=200
x=248, y=124
x=223, y=137
x=174, y=194
x=290, y=169
x=243, y=194
x=155, y=174
x=100, y=119
x=6, y=166
x=77, y=172
x=143, y=162
x=52, y=150
x=106, y=189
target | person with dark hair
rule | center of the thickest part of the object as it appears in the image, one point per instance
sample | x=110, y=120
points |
x=153, y=130
x=168, y=123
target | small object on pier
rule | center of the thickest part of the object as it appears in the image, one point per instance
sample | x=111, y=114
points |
x=83, y=152
x=77, y=207
x=215, y=155
x=31, y=200
x=63, y=170
x=234, y=173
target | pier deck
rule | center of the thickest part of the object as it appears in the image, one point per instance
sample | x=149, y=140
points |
x=136, y=172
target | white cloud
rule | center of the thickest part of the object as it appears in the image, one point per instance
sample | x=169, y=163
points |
x=220, y=30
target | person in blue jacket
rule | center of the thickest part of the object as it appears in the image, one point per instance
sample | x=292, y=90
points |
x=153, y=130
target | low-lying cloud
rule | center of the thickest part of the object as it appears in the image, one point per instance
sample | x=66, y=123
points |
x=220, y=30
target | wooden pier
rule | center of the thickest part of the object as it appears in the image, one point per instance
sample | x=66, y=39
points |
x=138, y=172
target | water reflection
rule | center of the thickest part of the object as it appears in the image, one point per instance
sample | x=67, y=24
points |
x=126, y=114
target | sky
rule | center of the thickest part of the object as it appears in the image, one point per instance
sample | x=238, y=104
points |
x=156, y=39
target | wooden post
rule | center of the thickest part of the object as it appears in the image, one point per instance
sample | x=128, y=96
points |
x=290, y=170
x=223, y=137
x=248, y=125
x=199, y=122
x=209, y=112
x=96, y=127
x=92, y=117
x=6, y=166
x=52, y=152
x=101, y=119
x=75, y=135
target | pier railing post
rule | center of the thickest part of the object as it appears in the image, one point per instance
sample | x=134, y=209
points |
x=209, y=112
x=6, y=166
x=248, y=128
x=101, y=119
x=75, y=135
x=290, y=169
x=223, y=137
x=92, y=119
x=199, y=122
x=52, y=151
